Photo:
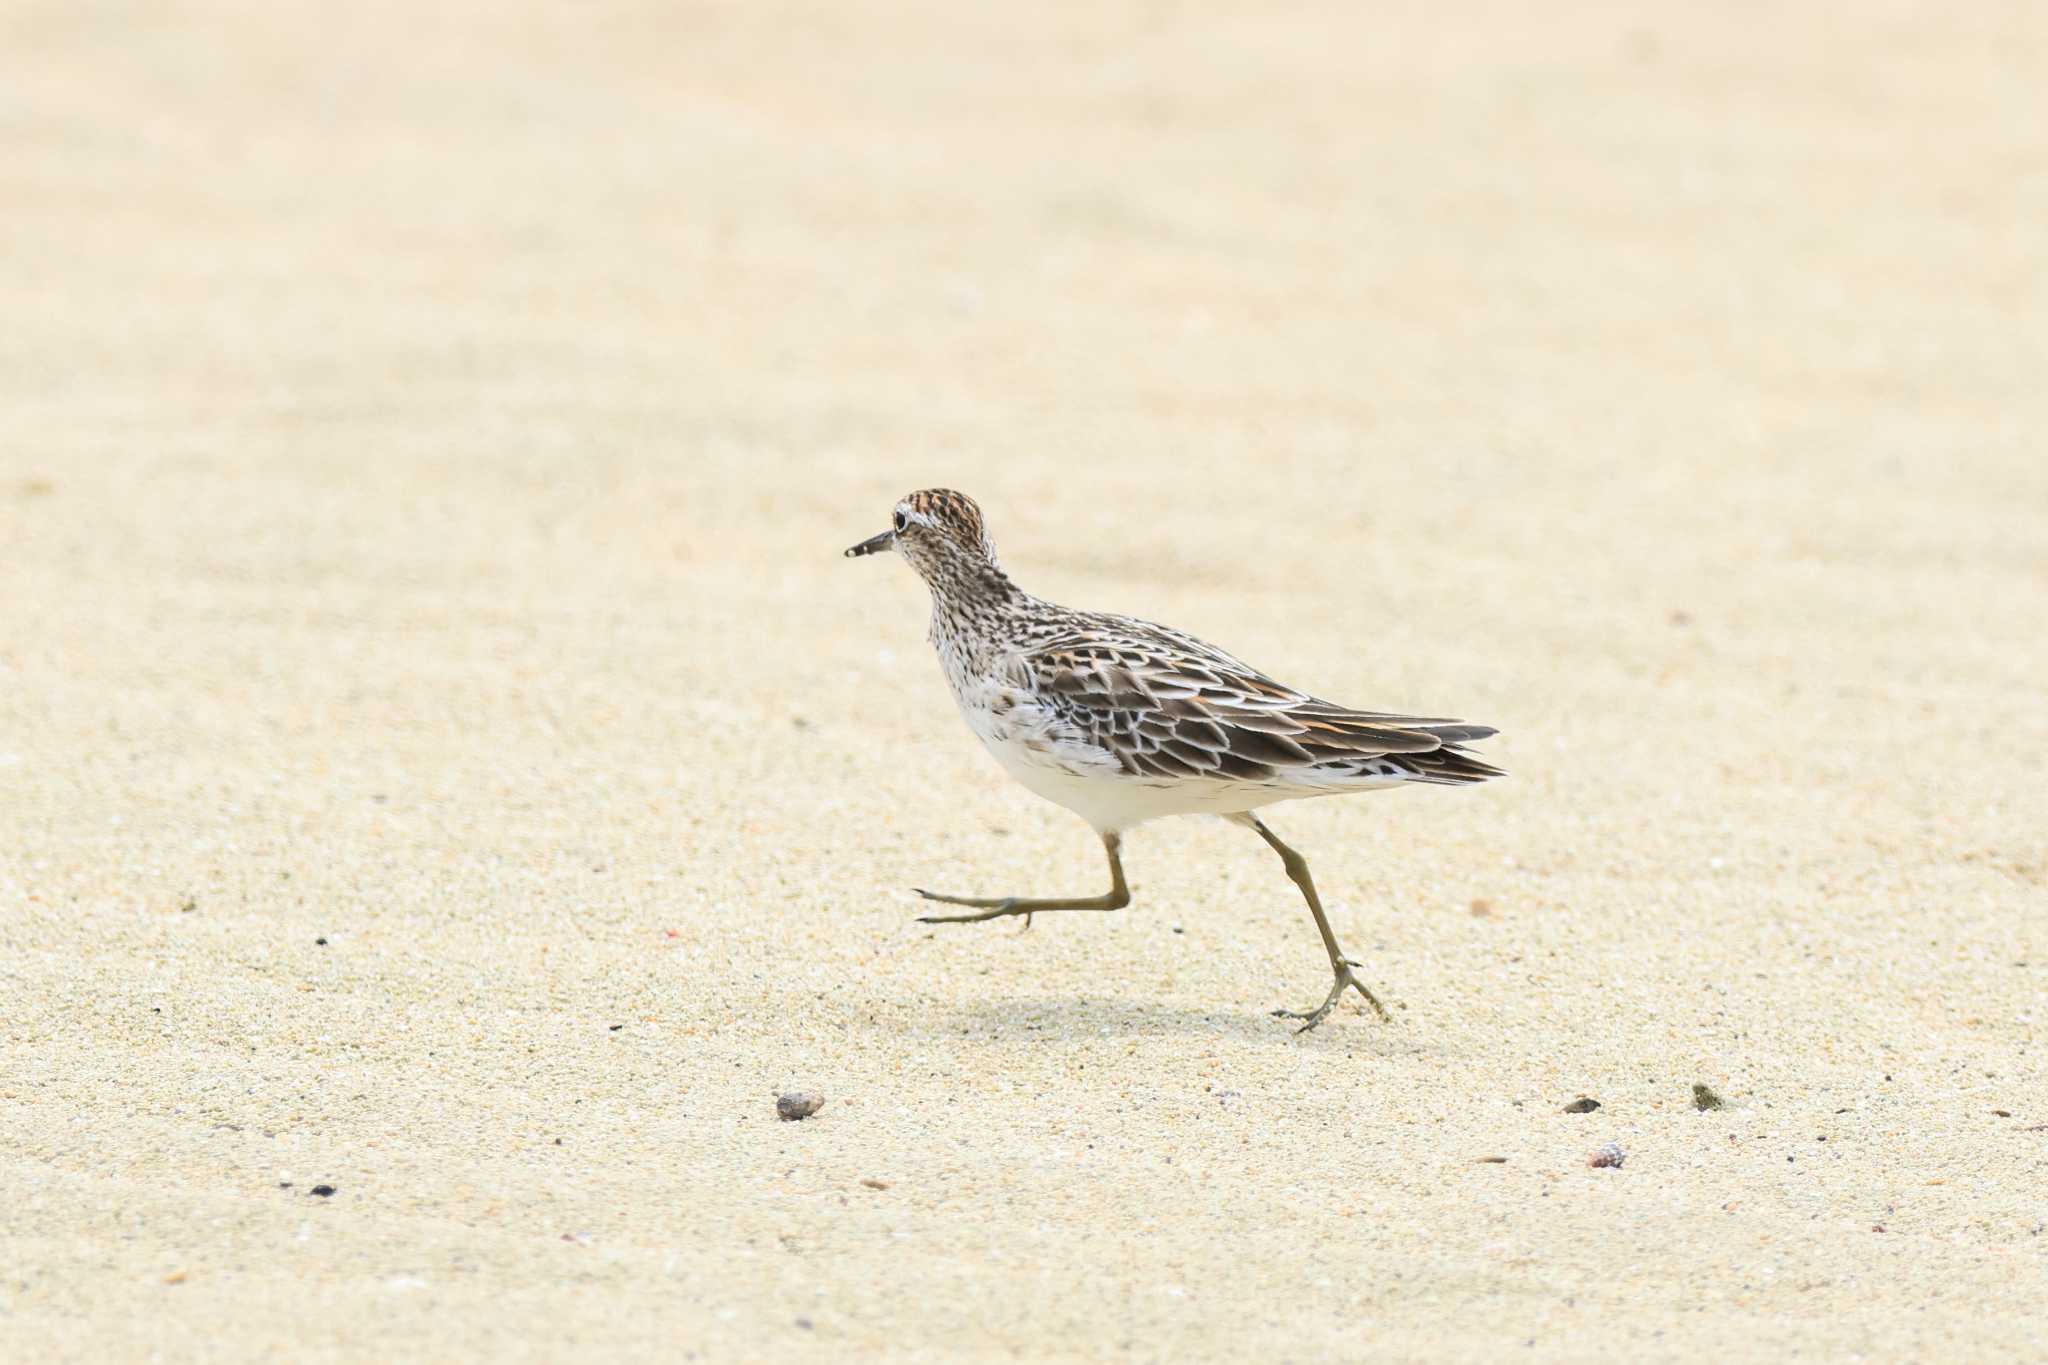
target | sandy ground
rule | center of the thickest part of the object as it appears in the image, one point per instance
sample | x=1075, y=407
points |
x=443, y=756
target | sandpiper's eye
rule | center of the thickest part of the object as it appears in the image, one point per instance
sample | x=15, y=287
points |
x=902, y=521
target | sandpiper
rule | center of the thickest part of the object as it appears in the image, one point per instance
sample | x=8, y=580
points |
x=1123, y=721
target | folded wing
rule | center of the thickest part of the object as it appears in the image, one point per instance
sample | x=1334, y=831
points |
x=1196, y=713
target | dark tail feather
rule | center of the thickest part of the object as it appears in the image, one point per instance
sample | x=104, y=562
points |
x=1450, y=765
x=1382, y=745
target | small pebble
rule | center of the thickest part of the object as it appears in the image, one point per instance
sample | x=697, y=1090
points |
x=875, y=1184
x=616, y=1027
x=798, y=1104
x=324, y=1191
x=1608, y=1156
x=804, y=1323
x=1482, y=908
x=1703, y=1098
x=1493, y=1161
x=2003, y=1113
x=319, y=943
x=1582, y=1105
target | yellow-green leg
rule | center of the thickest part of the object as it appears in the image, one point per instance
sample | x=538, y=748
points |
x=995, y=907
x=1340, y=965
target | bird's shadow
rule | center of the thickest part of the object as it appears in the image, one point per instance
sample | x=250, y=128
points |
x=1048, y=1018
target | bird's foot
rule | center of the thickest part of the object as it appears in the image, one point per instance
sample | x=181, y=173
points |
x=991, y=907
x=1344, y=978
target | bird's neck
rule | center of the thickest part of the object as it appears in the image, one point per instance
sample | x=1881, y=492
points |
x=970, y=602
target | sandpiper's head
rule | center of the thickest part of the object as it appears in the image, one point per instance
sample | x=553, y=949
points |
x=938, y=531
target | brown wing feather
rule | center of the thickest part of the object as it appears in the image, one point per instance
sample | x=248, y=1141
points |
x=1194, y=712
